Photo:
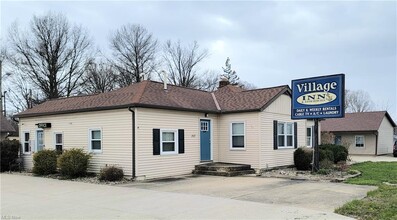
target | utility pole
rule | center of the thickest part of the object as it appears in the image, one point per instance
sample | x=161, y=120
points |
x=1, y=82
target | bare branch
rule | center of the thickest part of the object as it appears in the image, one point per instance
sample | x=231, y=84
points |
x=134, y=50
x=52, y=55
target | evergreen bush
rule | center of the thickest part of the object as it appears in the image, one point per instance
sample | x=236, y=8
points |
x=9, y=153
x=111, y=173
x=73, y=163
x=45, y=162
x=303, y=158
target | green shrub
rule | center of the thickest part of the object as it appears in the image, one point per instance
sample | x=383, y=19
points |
x=44, y=162
x=340, y=152
x=9, y=153
x=111, y=173
x=73, y=163
x=303, y=158
x=326, y=164
x=326, y=155
x=323, y=171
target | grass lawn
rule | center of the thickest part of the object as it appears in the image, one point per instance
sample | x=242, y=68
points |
x=380, y=203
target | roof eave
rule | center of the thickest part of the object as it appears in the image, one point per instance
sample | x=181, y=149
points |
x=113, y=108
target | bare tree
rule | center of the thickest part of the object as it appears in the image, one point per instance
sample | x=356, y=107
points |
x=182, y=62
x=134, y=50
x=100, y=77
x=358, y=101
x=52, y=54
x=208, y=81
x=20, y=93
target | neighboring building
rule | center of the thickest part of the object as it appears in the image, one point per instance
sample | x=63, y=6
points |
x=367, y=133
x=6, y=128
x=152, y=130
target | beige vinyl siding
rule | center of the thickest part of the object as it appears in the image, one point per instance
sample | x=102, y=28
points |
x=250, y=155
x=369, y=143
x=156, y=166
x=385, y=137
x=116, y=128
x=279, y=110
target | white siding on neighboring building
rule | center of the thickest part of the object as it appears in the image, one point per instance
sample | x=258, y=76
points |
x=279, y=110
x=156, y=166
x=385, y=137
x=116, y=128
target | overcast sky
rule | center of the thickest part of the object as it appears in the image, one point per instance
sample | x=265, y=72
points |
x=269, y=43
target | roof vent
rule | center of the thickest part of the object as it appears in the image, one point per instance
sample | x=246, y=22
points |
x=165, y=79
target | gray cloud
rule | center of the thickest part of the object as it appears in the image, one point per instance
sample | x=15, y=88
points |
x=269, y=43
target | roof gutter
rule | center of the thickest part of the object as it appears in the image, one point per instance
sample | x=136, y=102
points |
x=133, y=142
x=376, y=143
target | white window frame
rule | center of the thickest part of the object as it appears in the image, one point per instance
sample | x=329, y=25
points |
x=355, y=141
x=311, y=136
x=176, y=140
x=90, y=140
x=231, y=136
x=28, y=142
x=286, y=135
x=55, y=140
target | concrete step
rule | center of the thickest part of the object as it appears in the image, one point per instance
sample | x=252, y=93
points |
x=223, y=173
x=223, y=169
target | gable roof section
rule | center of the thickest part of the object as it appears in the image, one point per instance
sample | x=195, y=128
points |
x=233, y=99
x=152, y=95
x=361, y=121
x=5, y=125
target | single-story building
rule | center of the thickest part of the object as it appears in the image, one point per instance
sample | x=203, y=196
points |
x=366, y=133
x=155, y=130
x=6, y=128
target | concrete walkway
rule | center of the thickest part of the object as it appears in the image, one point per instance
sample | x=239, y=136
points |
x=25, y=197
x=364, y=158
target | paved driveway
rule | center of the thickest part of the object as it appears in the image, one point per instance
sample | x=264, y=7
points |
x=25, y=197
x=323, y=196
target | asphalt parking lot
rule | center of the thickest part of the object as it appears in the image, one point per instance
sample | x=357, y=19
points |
x=322, y=196
x=27, y=197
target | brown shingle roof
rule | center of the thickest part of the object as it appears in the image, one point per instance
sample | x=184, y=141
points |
x=234, y=99
x=5, y=125
x=151, y=94
x=361, y=121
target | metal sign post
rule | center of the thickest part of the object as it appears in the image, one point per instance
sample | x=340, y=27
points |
x=316, y=152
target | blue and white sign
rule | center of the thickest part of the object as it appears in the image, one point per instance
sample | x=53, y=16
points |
x=318, y=97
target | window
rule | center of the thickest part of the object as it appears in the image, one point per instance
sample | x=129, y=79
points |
x=309, y=136
x=285, y=134
x=360, y=141
x=237, y=135
x=204, y=125
x=58, y=141
x=338, y=140
x=168, y=142
x=96, y=140
x=26, y=142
